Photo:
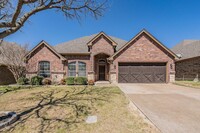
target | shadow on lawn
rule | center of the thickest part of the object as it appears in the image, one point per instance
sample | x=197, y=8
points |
x=75, y=105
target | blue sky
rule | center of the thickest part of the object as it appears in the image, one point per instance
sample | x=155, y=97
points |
x=170, y=21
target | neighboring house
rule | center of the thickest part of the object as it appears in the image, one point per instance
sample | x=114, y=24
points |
x=143, y=59
x=6, y=77
x=188, y=66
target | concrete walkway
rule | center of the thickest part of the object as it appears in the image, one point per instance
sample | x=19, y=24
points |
x=172, y=108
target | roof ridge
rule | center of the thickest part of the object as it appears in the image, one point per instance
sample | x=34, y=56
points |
x=187, y=48
x=79, y=45
x=76, y=39
x=88, y=36
x=184, y=43
x=190, y=40
x=117, y=38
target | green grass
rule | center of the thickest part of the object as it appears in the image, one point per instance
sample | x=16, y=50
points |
x=64, y=109
x=6, y=89
x=188, y=83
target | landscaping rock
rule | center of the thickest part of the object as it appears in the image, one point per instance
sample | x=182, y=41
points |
x=91, y=119
x=7, y=118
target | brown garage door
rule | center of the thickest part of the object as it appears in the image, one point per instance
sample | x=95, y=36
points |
x=142, y=73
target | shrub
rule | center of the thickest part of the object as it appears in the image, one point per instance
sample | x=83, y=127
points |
x=22, y=81
x=63, y=81
x=46, y=81
x=36, y=80
x=70, y=81
x=80, y=80
x=91, y=82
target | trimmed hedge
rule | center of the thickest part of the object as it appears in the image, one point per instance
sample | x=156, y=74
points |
x=76, y=81
x=22, y=81
x=36, y=80
x=80, y=80
x=70, y=81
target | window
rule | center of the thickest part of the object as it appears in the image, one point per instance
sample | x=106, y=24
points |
x=44, y=69
x=72, y=69
x=81, y=69
x=102, y=61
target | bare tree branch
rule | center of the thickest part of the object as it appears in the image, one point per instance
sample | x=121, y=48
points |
x=12, y=56
x=12, y=20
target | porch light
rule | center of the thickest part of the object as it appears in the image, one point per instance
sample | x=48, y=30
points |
x=171, y=66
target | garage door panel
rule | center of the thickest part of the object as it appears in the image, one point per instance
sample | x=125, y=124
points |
x=134, y=77
x=159, y=77
x=124, y=78
x=142, y=73
x=147, y=78
x=123, y=69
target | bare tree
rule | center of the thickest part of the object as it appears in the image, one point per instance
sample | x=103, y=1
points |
x=12, y=56
x=13, y=13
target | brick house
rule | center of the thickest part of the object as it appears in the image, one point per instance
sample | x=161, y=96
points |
x=143, y=59
x=188, y=66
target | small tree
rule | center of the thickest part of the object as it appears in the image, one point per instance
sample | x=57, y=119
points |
x=12, y=56
x=14, y=13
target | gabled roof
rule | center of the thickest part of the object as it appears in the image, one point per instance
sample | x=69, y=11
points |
x=79, y=46
x=101, y=34
x=135, y=37
x=187, y=49
x=48, y=46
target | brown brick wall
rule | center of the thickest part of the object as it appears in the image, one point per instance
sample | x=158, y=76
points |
x=188, y=69
x=44, y=54
x=102, y=45
x=6, y=77
x=144, y=50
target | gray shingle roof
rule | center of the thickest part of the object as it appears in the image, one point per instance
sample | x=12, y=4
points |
x=187, y=49
x=80, y=45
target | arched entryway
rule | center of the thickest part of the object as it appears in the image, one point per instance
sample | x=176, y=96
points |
x=101, y=68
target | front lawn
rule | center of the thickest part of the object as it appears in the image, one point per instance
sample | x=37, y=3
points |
x=188, y=83
x=64, y=109
x=6, y=89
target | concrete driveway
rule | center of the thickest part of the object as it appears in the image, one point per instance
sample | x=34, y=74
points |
x=172, y=108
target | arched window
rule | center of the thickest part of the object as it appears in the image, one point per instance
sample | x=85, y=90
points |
x=44, y=69
x=102, y=61
x=81, y=69
x=72, y=69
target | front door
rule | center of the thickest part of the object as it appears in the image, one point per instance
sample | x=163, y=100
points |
x=102, y=69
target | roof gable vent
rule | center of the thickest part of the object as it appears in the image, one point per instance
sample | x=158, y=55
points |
x=179, y=55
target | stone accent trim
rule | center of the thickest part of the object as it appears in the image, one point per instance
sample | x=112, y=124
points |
x=91, y=76
x=57, y=77
x=113, y=77
x=172, y=77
